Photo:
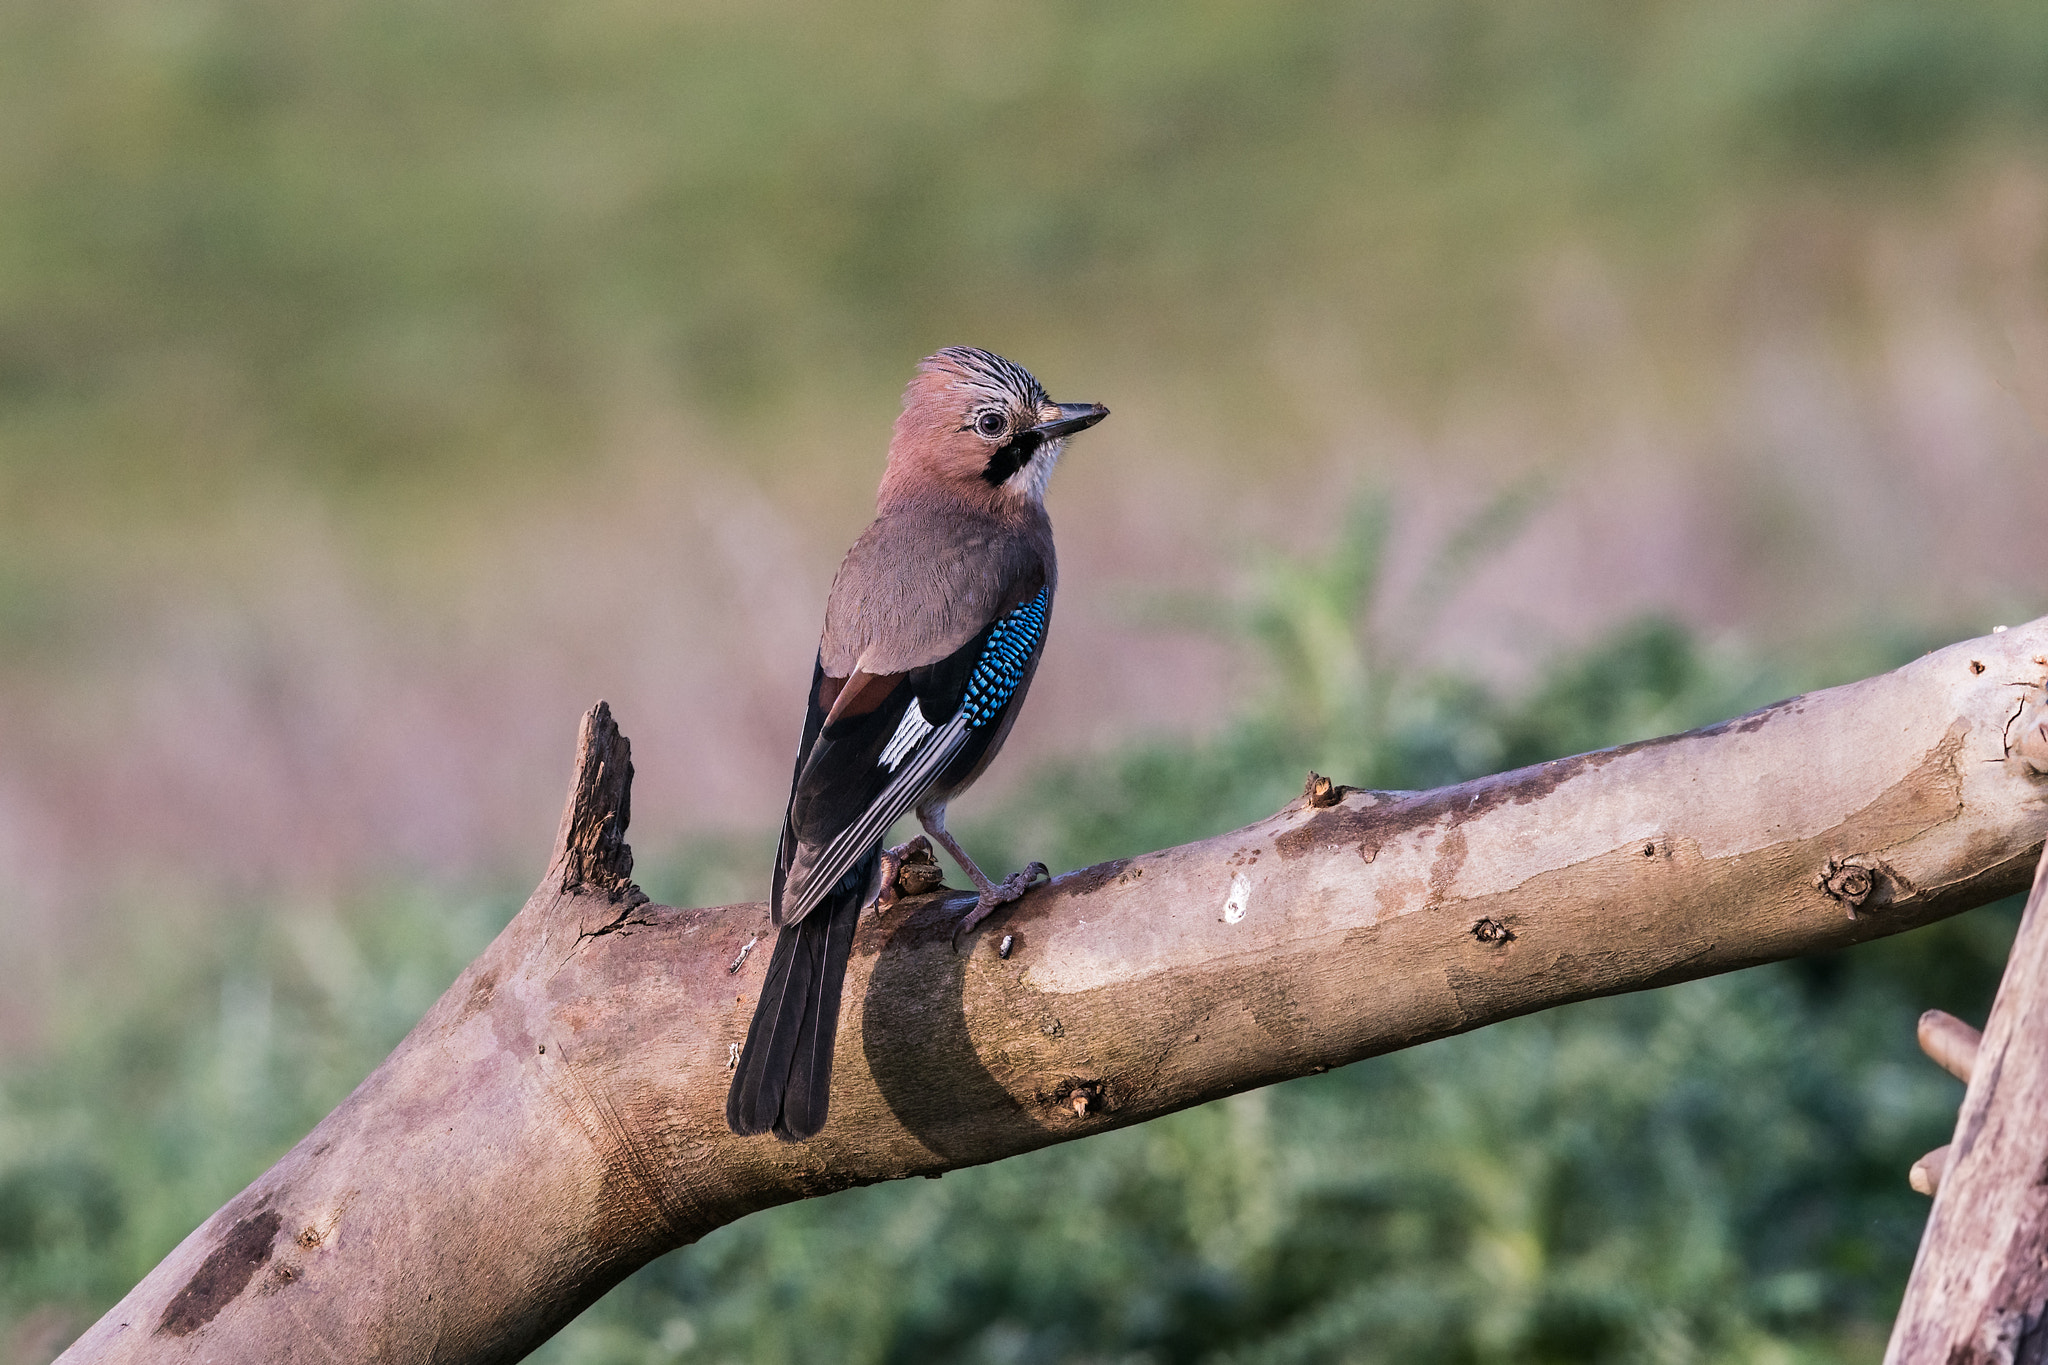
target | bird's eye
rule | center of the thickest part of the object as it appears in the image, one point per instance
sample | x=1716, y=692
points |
x=991, y=424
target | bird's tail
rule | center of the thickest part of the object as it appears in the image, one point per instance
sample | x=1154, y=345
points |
x=784, y=1079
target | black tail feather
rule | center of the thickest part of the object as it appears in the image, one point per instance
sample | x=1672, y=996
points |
x=755, y=1101
x=810, y=1072
x=784, y=1079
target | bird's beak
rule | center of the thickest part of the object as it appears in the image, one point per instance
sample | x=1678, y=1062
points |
x=1064, y=419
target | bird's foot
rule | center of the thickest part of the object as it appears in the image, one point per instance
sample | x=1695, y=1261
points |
x=909, y=869
x=995, y=895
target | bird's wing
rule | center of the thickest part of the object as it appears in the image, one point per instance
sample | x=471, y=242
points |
x=876, y=744
x=921, y=583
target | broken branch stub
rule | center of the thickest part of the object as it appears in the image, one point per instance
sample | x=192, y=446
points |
x=1926, y=1173
x=1950, y=1042
x=590, y=848
x=558, y=1118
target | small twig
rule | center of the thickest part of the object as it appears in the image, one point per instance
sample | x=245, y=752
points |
x=745, y=948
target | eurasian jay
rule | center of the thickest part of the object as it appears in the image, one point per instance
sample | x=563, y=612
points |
x=932, y=632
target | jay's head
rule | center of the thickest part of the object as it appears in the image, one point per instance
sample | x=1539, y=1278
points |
x=980, y=426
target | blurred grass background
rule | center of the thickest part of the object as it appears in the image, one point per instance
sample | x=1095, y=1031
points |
x=380, y=384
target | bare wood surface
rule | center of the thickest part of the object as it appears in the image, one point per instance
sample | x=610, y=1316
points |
x=557, y=1119
x=1979, y=1290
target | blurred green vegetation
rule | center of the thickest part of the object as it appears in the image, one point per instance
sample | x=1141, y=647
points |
x=1712, y=1172
x=359, y=241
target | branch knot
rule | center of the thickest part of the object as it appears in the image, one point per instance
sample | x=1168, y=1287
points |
x=1847, y=880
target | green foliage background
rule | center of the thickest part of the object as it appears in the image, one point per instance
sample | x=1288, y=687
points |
x=419, y=257
x=372, y=240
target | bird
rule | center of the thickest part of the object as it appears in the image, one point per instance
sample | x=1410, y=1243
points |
x=933, y=630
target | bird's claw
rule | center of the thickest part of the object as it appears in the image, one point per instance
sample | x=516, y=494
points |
x=1001, y=894
x=909, y=869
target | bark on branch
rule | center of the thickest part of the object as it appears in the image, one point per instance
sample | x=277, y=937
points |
x=557, y=1119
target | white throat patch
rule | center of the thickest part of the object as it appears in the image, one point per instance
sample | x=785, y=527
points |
x=1037, y=471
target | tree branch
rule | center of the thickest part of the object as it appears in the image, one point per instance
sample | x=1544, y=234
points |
x=1979, y=1290
x=557, y=1119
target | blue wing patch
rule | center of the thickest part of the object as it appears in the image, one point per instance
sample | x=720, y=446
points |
x=1003, y=660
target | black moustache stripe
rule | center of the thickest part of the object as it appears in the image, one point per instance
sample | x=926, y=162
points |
x=1012, y=456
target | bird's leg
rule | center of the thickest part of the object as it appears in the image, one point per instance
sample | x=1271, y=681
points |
x=990, y=894
x=908, y=869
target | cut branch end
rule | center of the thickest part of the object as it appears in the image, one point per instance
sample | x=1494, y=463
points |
x=1950, y=1042
x=1925, y=1177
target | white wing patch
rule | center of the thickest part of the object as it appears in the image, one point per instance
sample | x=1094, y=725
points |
x=899, y=796
x=909, y=731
